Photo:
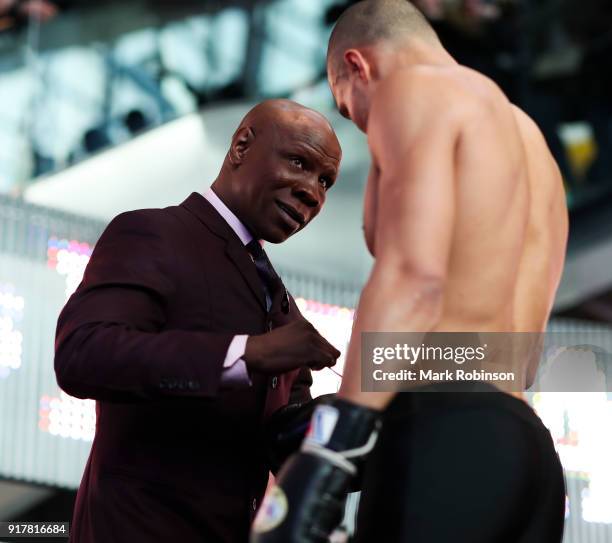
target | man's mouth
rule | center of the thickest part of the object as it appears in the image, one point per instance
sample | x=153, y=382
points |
x=293, y=213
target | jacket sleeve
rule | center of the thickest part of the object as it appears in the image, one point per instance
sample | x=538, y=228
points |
x=111, y=340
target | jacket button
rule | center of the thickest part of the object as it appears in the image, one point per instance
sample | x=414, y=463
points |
x=193, y=385
x=269, y=326
x=274, y=382
x=254, y=504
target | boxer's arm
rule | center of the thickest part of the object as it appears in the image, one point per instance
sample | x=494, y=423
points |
x=414, y=218
x=413, y=143
x=414, y=151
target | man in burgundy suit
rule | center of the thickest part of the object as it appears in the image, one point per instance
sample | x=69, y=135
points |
x=188, y=340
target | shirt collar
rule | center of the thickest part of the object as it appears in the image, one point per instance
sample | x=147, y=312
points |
x=234, y=222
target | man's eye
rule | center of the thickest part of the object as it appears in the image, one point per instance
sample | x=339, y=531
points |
x=297, y=162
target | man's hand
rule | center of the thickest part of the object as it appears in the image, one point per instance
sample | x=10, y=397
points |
x=290, y=347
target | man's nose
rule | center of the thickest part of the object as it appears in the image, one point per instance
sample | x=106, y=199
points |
x=307, y=190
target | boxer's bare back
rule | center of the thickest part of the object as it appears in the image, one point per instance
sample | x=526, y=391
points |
x=465, y=213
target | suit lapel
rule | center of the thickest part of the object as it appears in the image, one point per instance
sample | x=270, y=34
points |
x=235, y=250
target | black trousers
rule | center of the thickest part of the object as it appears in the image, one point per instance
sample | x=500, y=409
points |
x=462, y=467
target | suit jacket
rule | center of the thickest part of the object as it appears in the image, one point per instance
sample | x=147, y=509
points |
x=175, y=456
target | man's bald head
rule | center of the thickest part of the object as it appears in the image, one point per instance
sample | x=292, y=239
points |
x=286, y=114
x=375, y=21
x=282, y=110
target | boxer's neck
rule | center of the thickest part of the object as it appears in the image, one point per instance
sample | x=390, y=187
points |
x=389, y=58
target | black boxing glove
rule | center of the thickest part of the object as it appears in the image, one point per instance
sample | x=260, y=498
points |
x=284, y=431
x=307, y=502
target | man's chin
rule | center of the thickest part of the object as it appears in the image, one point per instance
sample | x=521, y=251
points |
x=277, y=239
x=281, y=232
x=276, y=236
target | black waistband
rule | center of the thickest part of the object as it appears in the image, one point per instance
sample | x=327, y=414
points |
x=445, y=396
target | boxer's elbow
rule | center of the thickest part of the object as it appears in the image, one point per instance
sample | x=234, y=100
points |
x=404, y=277
x=421, y=300
x=414, y=300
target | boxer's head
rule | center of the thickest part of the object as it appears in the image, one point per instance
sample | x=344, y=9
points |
x=282, y=161
x=370, y=40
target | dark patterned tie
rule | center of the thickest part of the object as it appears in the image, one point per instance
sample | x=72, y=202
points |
x=269, y=278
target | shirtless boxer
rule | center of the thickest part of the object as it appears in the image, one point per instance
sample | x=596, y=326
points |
x=465, y=214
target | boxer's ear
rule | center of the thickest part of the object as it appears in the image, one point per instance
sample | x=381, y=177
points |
x=241, y=143
x=357, y=65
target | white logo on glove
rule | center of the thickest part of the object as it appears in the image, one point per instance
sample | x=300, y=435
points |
x=322, y=424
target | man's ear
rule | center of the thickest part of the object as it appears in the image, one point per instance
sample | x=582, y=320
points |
x=241, y=143
x=357, y=65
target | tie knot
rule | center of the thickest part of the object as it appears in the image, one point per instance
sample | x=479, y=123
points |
x=270, y=279
x=254, y=248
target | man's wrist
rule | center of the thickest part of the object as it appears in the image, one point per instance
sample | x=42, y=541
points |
x=251, y=356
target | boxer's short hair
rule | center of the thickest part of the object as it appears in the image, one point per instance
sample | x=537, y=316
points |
x=374, y=21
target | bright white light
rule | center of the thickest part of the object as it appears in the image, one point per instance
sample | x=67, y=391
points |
x=68, y=417
x=580, y=426
x=69, y=258
x=11, y=312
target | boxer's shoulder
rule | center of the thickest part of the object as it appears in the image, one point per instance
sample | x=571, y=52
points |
x=433, y=94
x=530, y=131
x=423, y=84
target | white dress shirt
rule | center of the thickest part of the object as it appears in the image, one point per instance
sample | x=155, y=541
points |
x=235, y=372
